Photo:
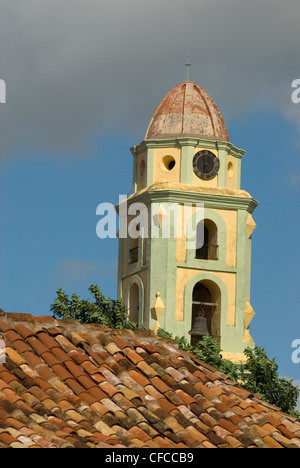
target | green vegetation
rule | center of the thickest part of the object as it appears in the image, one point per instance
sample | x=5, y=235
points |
x=103, y=310
x=261, y=376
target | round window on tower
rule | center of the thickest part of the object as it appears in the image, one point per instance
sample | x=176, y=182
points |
x=169, y=162
x=142, y=167
x=230, y=169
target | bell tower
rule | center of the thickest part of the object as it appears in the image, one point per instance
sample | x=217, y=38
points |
x=187, y=251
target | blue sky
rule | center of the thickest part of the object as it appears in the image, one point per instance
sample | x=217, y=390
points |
x=79, y=96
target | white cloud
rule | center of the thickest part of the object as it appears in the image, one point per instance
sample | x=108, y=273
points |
x=72, y=270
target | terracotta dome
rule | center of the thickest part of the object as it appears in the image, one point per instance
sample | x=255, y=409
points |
x=187, y=110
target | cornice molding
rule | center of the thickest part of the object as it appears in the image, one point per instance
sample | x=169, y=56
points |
x=178, y=142
x=225, y=199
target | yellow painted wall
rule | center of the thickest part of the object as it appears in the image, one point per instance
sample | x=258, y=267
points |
x=181, y=241
x=231, y=171
x=161, y=158
x=230, y=218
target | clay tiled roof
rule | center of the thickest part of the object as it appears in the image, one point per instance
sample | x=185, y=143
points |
x=64, y=384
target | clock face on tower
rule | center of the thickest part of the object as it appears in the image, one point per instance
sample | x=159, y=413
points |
x=206, y=165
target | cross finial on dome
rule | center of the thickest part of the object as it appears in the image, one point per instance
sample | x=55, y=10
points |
x=188, y=65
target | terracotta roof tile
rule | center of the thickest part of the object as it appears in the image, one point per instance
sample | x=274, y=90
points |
x=271, y=442
x=24, y=331
x=139, y=378
x=134, y=357
x=49, y=358
x=65, y=343
x=4, y=327
x=129, y=394
x=70, y=385
x=122, y=402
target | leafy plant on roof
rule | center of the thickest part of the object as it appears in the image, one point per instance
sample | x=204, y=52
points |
x=102, y=310
x=260, y=375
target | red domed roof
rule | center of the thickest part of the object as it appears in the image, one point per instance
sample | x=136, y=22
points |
x=187, y=110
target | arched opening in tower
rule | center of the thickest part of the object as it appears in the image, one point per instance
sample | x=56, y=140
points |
x=134, y=302
x=206, y=311
x=207, y=240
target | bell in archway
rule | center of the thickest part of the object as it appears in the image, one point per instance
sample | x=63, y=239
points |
x=200, y=327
